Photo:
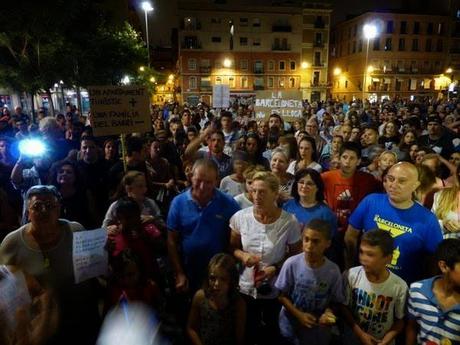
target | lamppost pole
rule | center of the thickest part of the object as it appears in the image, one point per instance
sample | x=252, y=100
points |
x=147, y=7
x=370, y=32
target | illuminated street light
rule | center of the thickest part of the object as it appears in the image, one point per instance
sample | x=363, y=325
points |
x=304, y=65
x=125, y=80
x=147, y=7
x=142, y=68
x=152, y=79
x=227, y=63
x=449, y=70
x=369, y=32
x=337, y=71
x=370, y=69
x=171, y=77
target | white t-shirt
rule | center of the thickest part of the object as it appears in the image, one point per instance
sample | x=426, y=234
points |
x=269, y=241
x=292, y=169
x=374, y=306
x=230, y=186
x=243, y=201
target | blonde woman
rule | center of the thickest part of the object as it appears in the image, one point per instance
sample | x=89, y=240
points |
x=446, y=207
x=278, y=165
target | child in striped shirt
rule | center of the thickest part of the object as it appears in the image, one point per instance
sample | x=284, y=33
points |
x=434, y=304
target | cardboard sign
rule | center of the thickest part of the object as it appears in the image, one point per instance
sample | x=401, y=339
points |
x=287, y=104
x=220, y=96
x=119, y=109
x=90, y=259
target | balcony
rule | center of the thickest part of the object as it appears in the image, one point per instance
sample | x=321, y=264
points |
x=258, y=87
x=190, y=45
x=277, y=47
x=258, y=70
x=281, y=28
x=318, y=64
x=205, y=69
x=205, y=87
x=318, y=44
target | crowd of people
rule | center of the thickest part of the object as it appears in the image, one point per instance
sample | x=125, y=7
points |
x=340, y=227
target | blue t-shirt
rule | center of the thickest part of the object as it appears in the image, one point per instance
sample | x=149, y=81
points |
x=305, y=214
x=311, y=290
x=415, y=230
x=204, y=231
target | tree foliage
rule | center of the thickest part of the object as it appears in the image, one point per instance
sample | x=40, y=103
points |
x=82, y=42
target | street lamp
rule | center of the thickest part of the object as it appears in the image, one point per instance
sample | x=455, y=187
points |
x=369, y=32
x=227, y=63
x=337, y=71
x=147, y=7
x=304, y=65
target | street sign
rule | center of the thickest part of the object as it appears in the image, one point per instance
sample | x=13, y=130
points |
x=220, y=96
x=119, y=109
x=287, y=104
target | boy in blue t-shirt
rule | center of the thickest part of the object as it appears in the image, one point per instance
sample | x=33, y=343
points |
x=309, y=283
x=434, y=303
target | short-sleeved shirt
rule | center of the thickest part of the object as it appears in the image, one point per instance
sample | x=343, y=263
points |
x=268, y=241
x=436, y=326
x=375, y=306
x=305, y=214
x=224, y=164
x=415, y=231
x=311, y=290
x=203, y=231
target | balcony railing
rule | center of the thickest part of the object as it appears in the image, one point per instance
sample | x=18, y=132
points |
x=281, y=47
x=258, y=70
x=258, y=87
x=318, y=44
x=281, y=28
x=205, y=69
x=191, y=45
x=319, y=24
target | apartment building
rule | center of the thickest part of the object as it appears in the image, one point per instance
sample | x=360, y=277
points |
x=407, y=57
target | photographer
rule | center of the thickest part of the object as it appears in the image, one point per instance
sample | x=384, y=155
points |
x=259, y=238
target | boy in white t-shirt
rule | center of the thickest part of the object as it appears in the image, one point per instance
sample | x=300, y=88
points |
x=376, y=297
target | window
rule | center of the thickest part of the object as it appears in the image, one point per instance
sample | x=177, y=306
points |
x=428, y=45
x=355, y=30
x=215, y=20
x=271, y=82
x=271, y=65
x=292, y=82
x=256, y=23
x=281, y=82
x=216, y=39
x=231, y=81
x=243, y=41
x=346, y=84
x=317, y=61
x=376, y=44
x=244, y=21
x=415, y=45
x=354, y=47
x=292, y=65
x=258, y=82
x=218, y=64
x=244, y=64
x=440, y=29
x=192, y=82
x=439, y=45
x=282, y=66
x=403, y=27
x=316, y=78
x=416, y=28
x=244, y=82
x=192, y=64
x=387, y=44
x=258, y=67
x=205, y=83
x=218, y=80
x=205, y=63
x=429, y=29
x=402, y=44
x=360, y=46
x=256, y=42
x=318, y=38
x=390, y=27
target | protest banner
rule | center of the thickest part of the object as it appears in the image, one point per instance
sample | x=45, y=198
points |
x=287, y=104
x=90, y=259
x=119, y=109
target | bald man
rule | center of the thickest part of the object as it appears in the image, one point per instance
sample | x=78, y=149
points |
x=415, y=229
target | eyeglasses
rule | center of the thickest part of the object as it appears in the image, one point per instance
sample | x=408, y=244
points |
x=43, y=206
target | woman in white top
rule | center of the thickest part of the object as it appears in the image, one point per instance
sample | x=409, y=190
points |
x=262, y=237
x=306, y=156
x=278, y=165
x=446, y=207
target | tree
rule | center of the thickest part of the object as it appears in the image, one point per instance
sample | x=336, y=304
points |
x=81, y=42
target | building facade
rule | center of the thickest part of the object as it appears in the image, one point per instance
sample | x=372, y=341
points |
x=407, y=58
x=250, y=46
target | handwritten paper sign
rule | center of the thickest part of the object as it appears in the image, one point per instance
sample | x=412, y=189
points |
x=220, y=96
x=89, y=256
x=119, y=109
x=287, y=104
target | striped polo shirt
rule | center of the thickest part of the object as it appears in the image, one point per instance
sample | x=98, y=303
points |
x=436, y=326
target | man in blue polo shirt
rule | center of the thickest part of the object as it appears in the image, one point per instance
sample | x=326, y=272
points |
x=198, y=226
x=415, y=229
